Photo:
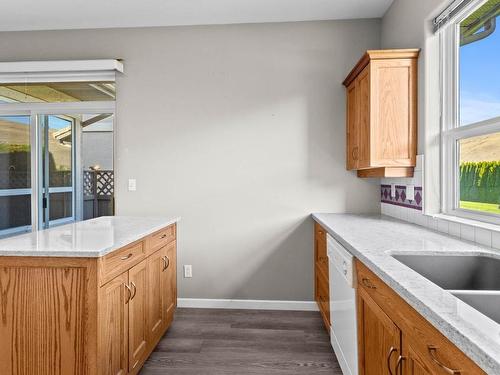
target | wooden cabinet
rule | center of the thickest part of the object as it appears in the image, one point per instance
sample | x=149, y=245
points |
x=138, y=313
x=169, y=274
x=113, y=326
x=414, y=364
x=156, y=297
x=44, y=325
x=393, y=338
x=144, y=298
x=352, y=133
x=321, y=283
x=381, y=120
x=162, y=299
x=87, y=316
x=138, y=307
x=379, y=338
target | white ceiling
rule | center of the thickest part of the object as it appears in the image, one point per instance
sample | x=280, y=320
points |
x=83, y=14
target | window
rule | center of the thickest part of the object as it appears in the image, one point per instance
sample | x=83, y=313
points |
x=471, y=112
x=56, y=143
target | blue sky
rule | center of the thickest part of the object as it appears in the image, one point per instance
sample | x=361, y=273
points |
x=54, y=122
x=480, y=79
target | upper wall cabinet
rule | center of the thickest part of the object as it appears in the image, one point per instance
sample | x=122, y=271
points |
x=382, y=114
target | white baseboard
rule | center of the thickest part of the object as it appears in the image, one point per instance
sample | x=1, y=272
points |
x=248, y=304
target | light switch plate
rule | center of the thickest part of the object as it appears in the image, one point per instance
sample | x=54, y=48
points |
x=188, y=271
x=393, y=190
x=132, y=184
x=410, y=192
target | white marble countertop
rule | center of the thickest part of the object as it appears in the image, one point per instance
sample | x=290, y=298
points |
x=88, y=239
x=373, y=238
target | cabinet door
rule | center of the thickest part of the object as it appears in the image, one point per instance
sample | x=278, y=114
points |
x=169, y=279
x=113, y=326
x=394, y=111
x=156, y=295
x=363, y=130
x=352, y=149
x=138, y=309
x=379, y=339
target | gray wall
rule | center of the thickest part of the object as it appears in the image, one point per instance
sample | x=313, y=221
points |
x=238, y=129
x=407, y=24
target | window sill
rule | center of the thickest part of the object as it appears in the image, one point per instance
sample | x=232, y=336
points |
x=471, y=222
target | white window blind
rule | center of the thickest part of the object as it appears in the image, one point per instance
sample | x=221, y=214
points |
x=449, y=13
x=59, y=71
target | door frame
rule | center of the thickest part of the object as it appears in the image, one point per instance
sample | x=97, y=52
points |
x=45, y=190
x=34, y=110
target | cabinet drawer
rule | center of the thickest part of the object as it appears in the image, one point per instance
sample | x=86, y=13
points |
x=375, y=287
x=433, y=348
x=121, y=260
x=439, y=355
x=161, y=238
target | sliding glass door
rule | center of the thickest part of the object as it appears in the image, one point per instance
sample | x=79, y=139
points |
x=15, y=174
x=56, y=152
x=57, y=169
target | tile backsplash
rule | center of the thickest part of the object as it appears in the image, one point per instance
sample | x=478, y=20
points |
x=402, y=208
x=401, y=197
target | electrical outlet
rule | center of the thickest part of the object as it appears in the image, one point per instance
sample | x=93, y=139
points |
x=410, y=192
x=188, y=271
x=393, y=190
x=132, y=184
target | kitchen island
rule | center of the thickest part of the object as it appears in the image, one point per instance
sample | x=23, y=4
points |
x=92, y=297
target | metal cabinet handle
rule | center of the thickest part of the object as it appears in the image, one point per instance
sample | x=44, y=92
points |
x=366, y=282
x=127, y=256
x=163, y=236
x=398, y=364
x=135, y=290
x=129, y=293
x=391, y=350
x=432, y=352
x=166, y=262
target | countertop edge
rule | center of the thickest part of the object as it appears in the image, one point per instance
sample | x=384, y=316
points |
x=89, y=254
x=466, y=345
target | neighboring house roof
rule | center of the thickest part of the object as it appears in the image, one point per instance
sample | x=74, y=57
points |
x=64, y=135
x=480, y=24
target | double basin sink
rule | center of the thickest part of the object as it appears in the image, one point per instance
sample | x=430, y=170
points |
x=473, y=279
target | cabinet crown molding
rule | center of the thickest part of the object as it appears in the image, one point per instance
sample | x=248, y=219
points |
x=378, y=54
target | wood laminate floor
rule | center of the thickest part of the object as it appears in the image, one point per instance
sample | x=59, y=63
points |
x=243, y=342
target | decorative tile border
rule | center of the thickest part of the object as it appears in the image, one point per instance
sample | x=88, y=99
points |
x=400, y=198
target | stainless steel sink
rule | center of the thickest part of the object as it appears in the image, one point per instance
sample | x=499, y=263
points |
x=456, y=272
x=487, y=303
x=473, y=279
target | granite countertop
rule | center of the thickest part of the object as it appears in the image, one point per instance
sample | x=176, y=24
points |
x=88, y=239
x=373, y=238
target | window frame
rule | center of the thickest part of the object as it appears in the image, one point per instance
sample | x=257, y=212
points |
x=451, y=131
x=54, y=71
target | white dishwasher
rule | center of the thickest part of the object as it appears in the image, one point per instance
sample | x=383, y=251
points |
x=343, y=332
